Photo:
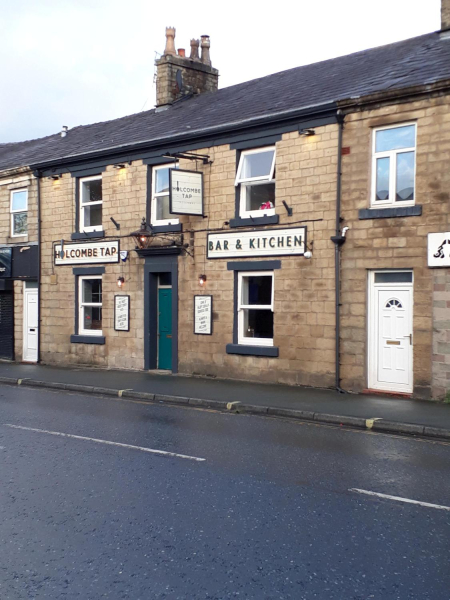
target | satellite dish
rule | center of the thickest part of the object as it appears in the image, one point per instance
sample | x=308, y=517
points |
x=179, y=80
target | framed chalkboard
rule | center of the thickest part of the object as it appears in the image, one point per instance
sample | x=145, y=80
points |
x=203, y=315
x=122, y=313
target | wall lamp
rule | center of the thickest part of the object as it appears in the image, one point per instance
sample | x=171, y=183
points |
x=54, y=177
x=201, y=280
x=119, y=166
x=120, y=282
x=307, y=132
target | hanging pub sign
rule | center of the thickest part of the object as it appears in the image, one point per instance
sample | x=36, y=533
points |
x=267, y=242
x=89, y=253
x=203, y=315
x=5, y=262
x=122, y=313
x=185, y=192
x=439, y=249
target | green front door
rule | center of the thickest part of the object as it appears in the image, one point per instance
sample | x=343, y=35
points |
x=165, y=328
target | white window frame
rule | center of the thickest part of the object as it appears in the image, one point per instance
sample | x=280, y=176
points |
x=15, y=212
x=247, y=341
x=242, y=182
x=81, y=181
x=155, y=196
x=392, y=155
x=81, y=305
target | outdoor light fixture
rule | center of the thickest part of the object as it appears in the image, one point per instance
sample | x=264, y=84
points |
x=120, y=282
x=54, y=177
x=308, y=254
x=307, y=132
x=202, y=280
x=119, y=166
x=143, y=236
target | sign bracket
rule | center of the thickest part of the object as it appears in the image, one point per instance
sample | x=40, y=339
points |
x=205, y=158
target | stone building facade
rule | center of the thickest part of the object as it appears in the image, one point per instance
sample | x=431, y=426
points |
x=393, y=237
x=303, y=289
x=309, y=258
x=18, y=264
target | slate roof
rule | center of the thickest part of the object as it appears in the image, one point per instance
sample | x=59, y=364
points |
x=417, y=61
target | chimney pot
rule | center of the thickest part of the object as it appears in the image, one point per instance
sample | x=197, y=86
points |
x=170, y=41
x=194, y=49
x=64, y=130
x=206, y=60
x=181, y=52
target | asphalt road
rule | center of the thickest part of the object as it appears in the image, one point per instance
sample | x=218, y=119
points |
x=268, y=513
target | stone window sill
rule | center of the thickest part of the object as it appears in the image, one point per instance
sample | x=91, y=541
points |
x=87, y=235
x=87, y=339
x=394, y=211
x=271, y=351
x=17, y=239
x=248, y=222
x=174, y=228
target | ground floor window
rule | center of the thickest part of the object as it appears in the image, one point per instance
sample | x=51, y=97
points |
x=90, y=305
x=255, y=308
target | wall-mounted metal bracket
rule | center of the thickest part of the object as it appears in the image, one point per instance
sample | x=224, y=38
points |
x=205, y=158
x=288, y=208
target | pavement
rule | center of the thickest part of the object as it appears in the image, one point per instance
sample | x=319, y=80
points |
x=363, y=411
x=105, y=498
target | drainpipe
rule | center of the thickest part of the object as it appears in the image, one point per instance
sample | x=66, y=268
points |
x=338, y=239
x=37, y=174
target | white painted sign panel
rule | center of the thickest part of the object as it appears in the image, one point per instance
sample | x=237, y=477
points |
x=267, y=242
x=186, y=192
x=88, y=253
x=203, y=315
x=439, y=249
x=122, y=313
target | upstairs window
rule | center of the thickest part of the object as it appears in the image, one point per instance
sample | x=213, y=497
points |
x=19, y=213
x=90, y=305
x=160, y=209
x=256, y=178
x=91, y=204
x=393, y=167
x=255, y=308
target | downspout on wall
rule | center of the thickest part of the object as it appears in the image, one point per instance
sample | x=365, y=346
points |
x=338, y=239
x=37, y=174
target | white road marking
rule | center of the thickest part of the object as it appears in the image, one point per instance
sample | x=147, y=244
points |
x=399, y=499
x=81, y=437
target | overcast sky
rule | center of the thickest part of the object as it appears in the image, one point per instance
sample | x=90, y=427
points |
x=74, y=62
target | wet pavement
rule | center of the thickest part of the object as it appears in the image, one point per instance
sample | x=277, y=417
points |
x=266, y=515
x=434, y=414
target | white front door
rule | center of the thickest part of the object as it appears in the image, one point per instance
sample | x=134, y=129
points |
x=30, y=324
x=390, y=332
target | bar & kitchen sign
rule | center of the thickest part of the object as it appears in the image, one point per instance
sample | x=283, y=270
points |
x=269, y=242
x=88, y=253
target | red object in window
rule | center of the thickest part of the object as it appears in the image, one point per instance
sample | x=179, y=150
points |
x=266, y=205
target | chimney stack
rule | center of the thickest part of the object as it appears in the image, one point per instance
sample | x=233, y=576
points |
x=178, y=76
x=445, y=15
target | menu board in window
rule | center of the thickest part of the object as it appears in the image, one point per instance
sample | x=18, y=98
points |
x=203, y=315
x=122, y=313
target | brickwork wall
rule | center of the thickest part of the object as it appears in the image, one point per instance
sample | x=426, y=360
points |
x=394, y=242
x=124, y=193
x=441, y=333
x=196, y=77
x=304, y=289
x=7, y=184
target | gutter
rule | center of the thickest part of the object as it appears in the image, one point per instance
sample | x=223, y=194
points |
x=338, y=239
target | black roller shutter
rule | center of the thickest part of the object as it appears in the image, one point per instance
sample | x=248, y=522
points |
x=6, y=325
